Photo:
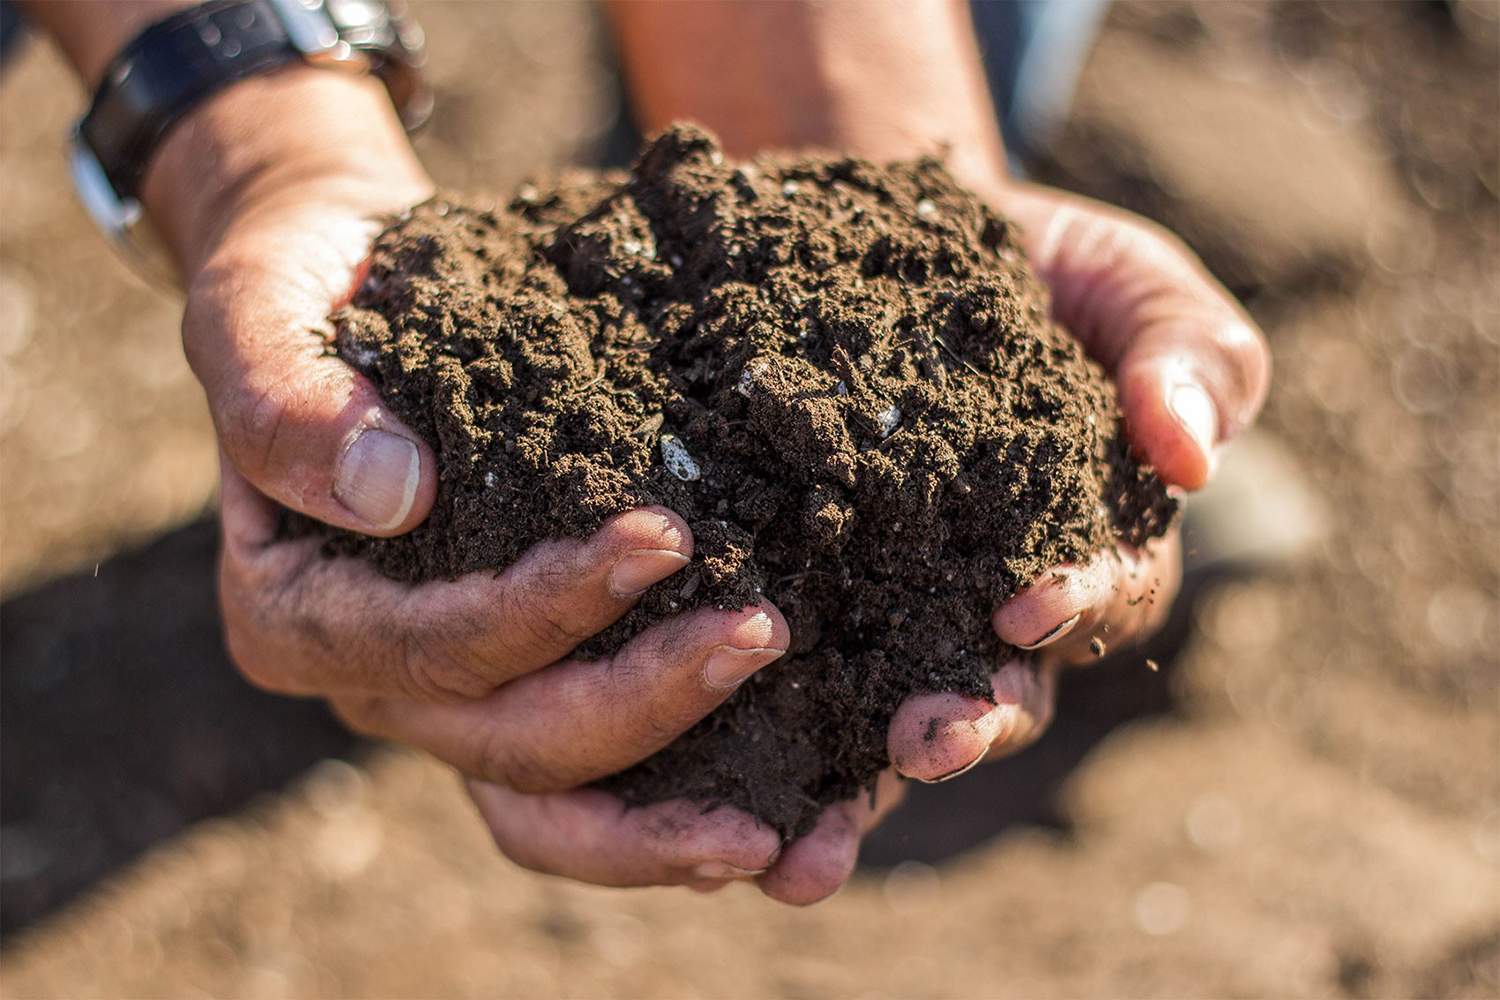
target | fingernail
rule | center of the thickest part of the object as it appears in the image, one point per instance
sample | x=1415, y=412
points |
x=1195, y=411
x=727, y=666
x=640, y=568
x=723, y=869
x=1054, y=635
x=377, y=477
x=957, y=771
x=707, y=888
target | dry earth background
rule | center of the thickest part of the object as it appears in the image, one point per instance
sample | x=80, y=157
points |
x=1307, y=805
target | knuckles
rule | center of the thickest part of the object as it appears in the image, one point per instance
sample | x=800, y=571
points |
x=438, y=667
x=502, y=761
x=540, y=625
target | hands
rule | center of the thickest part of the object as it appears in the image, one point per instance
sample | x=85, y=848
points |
x=476, y=671
x=270, y=193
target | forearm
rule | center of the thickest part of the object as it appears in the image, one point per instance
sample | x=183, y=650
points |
x=90, y=32
x=884, y=79
x=260, y=139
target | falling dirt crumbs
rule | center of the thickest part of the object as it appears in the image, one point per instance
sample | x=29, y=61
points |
x=841, y=375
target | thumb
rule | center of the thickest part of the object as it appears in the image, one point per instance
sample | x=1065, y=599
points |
x=303, y=427
x=1190, y=366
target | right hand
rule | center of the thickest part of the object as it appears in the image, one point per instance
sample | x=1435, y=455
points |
x=476, y=671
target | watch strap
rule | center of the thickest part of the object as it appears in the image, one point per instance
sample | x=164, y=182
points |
x=167, y=70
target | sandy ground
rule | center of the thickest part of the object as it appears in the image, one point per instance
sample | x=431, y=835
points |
x=1307, y=804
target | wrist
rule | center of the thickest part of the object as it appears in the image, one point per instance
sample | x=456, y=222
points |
x=300, y=132
x=885, y=81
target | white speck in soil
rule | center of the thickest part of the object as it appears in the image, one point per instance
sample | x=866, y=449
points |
x=679, y=463
x=747, y=377
x=361, y=355
x=925, y=208
x=889, y=419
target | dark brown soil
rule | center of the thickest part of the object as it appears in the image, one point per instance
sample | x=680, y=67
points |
x=841, y=375
x=1327, y=769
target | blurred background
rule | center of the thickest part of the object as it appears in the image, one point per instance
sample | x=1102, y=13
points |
x=1305, y=801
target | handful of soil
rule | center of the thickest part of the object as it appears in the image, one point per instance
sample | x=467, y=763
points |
x=843, y=377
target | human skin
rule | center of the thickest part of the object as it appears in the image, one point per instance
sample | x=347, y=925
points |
x=270, y=193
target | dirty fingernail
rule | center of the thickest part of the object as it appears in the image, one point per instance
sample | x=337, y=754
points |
x=643, y=567
x=1054, y=635
x=1193, y=409
x=377, y=477
x=956, y=771
x=723, y=869
x=727, y=666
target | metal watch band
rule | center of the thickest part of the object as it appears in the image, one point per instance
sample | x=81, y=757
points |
x=183, y=59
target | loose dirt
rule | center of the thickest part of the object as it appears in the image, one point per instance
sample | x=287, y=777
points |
x=841, y=375
x=1325, y=775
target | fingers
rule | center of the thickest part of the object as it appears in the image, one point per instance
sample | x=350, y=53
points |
x=302, y=624
x=816, y=866
x=300, y=425
x=1070, y=615
x=575, y=722
x=591, y=836
x=1115, y=598
x=1191, y=367
x=934, y=737
x=1187, y=385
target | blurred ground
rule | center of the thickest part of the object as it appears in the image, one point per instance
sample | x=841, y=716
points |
x=1311, y=808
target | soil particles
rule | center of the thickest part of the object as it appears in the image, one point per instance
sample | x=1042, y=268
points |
x=842, y=375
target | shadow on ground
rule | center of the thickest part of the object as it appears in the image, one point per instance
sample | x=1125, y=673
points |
x=122, y=721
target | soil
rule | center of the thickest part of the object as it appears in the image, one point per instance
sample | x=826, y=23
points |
x=1312, y=811
x=841, y=375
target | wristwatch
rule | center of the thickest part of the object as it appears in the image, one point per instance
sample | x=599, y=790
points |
x=181, y=60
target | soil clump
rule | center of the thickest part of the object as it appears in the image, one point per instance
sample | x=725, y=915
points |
x=842, y=375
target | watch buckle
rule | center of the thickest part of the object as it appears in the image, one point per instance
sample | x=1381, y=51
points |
x=312, y=31
x=119, y=218
x=110, y=212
